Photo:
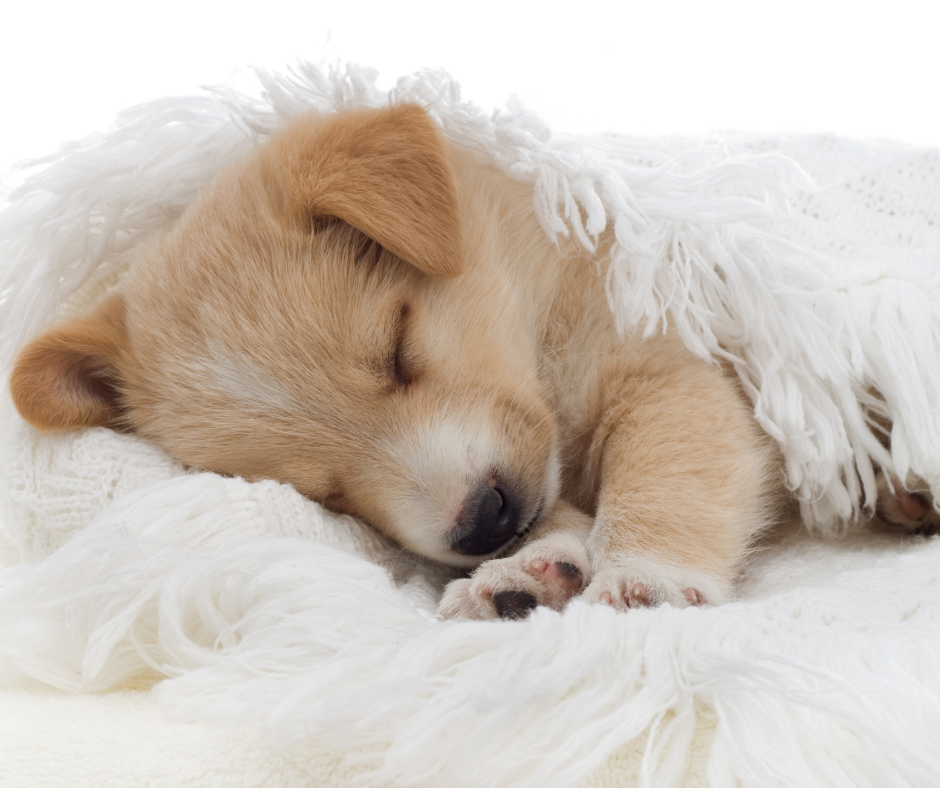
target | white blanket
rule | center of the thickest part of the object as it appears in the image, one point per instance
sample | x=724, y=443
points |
x=263, y=610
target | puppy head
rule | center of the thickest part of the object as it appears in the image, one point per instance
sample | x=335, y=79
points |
x=316, y=318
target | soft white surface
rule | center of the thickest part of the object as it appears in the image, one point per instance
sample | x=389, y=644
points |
x=265, y=610
x=123, y=739
x=823, y=673
x=126, y=739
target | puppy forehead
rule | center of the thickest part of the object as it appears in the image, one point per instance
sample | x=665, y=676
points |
x=282, y=292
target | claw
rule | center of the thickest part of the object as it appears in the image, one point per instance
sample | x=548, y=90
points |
x=538, y=565
x=639, y=596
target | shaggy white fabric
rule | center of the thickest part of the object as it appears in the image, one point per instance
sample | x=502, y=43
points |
x=126, y=738
x=123, y=739
x=264, y=609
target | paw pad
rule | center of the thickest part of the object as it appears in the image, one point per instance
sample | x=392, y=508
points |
x=906, y=511
x=513, y=604
x=694, y=596
x=564, y=576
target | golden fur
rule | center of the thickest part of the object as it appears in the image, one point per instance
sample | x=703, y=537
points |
x=377, y=318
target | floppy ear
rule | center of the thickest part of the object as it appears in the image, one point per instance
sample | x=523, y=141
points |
x=68, y=378
x=386, y=172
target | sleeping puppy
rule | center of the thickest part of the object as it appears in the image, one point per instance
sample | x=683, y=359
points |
x=376, y=317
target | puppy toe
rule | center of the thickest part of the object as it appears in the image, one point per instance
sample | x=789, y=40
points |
x=635, y=582
x=458, y=602
x=640, y=595
x=566, y=577
x=622, y=593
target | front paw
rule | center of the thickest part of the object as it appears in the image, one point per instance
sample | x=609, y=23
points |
x=545, y=572
x=626, y=581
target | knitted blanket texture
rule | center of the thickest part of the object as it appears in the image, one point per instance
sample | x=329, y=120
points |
x=811, y=264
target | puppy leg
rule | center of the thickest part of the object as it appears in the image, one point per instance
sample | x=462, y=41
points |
x=686, y=480
x=550, y=568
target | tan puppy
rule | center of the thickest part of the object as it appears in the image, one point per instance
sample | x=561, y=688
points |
x=377, y=318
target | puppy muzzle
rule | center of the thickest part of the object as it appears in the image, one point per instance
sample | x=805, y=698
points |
x=490, y=518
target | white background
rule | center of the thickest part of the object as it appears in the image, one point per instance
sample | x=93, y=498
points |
x=657, y=66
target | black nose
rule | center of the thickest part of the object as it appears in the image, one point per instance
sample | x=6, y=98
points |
x=489, y=519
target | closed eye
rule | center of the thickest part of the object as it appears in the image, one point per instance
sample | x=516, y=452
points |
x=401, y=364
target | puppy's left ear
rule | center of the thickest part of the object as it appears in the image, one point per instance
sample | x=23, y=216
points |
x=385, y=171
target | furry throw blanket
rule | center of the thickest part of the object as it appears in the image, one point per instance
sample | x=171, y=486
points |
x=810, y=264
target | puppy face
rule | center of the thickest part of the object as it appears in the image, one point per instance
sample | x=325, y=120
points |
x=317, y=318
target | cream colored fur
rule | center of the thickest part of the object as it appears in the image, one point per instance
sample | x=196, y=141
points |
x=360, y=290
